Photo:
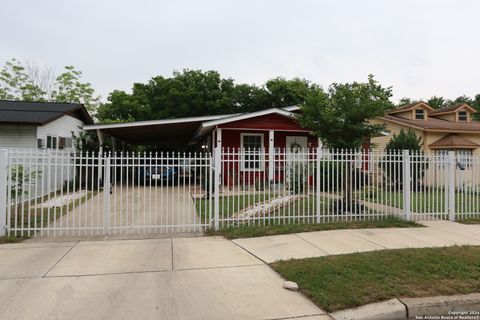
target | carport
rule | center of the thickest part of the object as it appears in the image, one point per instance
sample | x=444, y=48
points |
x=166, y=133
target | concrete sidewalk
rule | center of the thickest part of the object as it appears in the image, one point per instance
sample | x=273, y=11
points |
x=179, y=278
x=322, y=243
x=185, y=278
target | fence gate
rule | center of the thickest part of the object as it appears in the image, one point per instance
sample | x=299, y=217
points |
x=53, y=193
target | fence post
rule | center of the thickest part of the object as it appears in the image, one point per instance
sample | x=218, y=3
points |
x=216, y=187
x=3, y=191
x=451, y=186
x=319, y=155
x=106, y=194
x=406, y=185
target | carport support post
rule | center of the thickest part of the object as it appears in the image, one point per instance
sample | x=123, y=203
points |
x=216, y=187
x=3, y=191
x=451, y=186
x=406, y=185
x=100, y=153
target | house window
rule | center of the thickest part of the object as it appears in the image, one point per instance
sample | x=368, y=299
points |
x=252, y=148
x=463, y=157
x=462, y=116
x=419, y=114
x=51, y=142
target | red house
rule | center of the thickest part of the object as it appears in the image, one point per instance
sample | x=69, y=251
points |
x=252, y=136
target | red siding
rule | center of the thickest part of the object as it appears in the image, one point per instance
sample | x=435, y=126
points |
x=231, y=140
x=267, y=122
x=231, y=133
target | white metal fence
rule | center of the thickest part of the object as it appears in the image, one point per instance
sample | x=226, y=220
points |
x=61, y=193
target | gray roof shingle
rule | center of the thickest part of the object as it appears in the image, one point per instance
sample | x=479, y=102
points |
x=40, y=113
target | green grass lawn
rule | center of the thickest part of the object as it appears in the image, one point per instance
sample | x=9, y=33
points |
x=423, y=202
x=12, y=239
x=469, y=220
x=346, y=281
x=246, y=231
x=229, y=205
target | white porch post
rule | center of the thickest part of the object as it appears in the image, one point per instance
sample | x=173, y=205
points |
x=100, y=141
x=271, y=155
x=219, y=138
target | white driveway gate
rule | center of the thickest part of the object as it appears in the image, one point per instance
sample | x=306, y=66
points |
x=58, y=193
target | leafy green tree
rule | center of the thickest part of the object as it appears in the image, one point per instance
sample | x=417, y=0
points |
x=68, y=87
x=284, y=93
x=403, y=101
x=436, y=102
x=197, y=93
x=460, y=99
x=122, y=107
x=28, y=82
x=16, y=84
x=340, y=117
x=190, y=93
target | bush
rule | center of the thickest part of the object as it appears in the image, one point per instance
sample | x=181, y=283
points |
x=332, y=176
x=392, y=164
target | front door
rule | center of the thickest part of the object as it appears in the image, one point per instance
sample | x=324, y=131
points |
x=295, y=144
x=296, y=154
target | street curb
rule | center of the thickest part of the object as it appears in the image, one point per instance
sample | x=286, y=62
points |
x=413, y=308
x=387, y=310
x=442, y=305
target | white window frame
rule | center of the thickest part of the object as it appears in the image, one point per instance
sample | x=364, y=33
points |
x=262, y=152
x=53, y=142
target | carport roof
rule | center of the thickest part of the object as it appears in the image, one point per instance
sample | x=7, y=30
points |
x=179, y=130
x=169, y=131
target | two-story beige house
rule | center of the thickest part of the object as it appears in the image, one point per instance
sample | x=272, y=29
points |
x=443, y=129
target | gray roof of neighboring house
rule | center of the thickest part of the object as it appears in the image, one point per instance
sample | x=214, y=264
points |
x=40, y=113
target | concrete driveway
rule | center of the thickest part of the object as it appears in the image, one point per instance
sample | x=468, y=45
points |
x=136, y=210
x=180, y=278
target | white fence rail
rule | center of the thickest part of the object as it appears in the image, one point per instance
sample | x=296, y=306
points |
x=62, y=193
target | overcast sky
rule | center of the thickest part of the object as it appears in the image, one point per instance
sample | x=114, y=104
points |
x=421, y=48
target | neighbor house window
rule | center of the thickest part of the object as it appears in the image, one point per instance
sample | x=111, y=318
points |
x=462, y=116
x=463, y=157
x=419, y=114
x=252, y=148
x=51, y=142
